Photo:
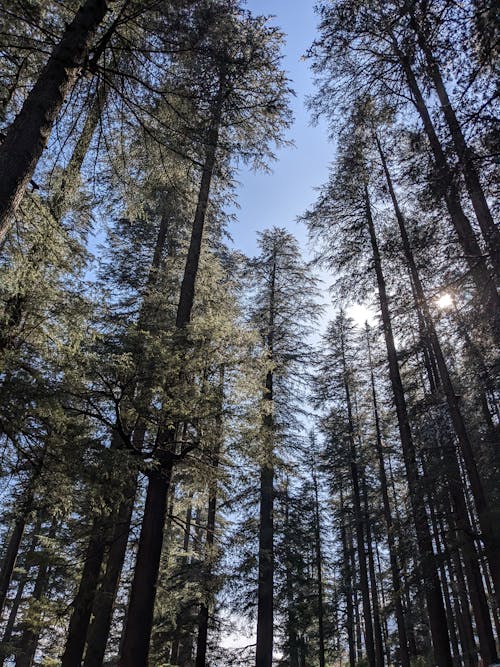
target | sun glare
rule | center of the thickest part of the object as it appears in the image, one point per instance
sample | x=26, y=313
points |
x=361, y=314
x=445, y=301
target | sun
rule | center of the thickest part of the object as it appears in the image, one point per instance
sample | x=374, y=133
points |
x=361, y=314
x=445, y=301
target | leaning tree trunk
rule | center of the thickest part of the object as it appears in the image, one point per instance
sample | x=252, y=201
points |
x=488, y=521
x=139, y=621
x=465, y=155
x=28, y=135
x=433, y=593
x=13, y=544
x=477, y=264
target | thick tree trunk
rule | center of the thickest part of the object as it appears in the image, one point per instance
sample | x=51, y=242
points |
x=404, y=655
x=433, y=593
x=135, y=647
x=465, y=155
x=489, y=519
x=28, y=135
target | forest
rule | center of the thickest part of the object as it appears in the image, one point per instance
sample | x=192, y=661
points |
x=206, y=460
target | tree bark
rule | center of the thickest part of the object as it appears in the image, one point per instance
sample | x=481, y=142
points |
x=138, y=625
x=265, y=607
x=348, y=585
x=404, y=655
x=203, y=617
x=84, y=600
x=31, y=634
x=358, y=517
x=447, y=188
x=433, y=593
x=28, y=135
x=489, y=520
x=319, y=570
x=465, y=155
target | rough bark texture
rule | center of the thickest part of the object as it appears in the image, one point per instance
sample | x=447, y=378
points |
x=28, y=135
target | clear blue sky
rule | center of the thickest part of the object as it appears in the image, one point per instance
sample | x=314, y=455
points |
x=276, y=199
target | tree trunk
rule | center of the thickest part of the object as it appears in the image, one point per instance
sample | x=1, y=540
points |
x=135, y=647
x=14, y=542
x=138, y=625
x=404, y=655
x=348, y=585
x=465, y=155
x=202, y=638
x=433, y=593
x=31, y=634
x=84, y=600
x=265, y=607
x=319, y=570
x=358, y=516
x=465, y=233
x=28, y=135
x=377, y=627
x=98, y=633
x=489, y=520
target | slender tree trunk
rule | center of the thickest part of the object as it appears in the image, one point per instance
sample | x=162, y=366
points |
x=98, y=633
x=21, y=585
x=377, y=627
x=139, y=621
x=84, y=600
x=31, y=634
x=319, y=570
x=433, y=593
x=202, y=638
x=358, y=516
x=265, y=606
x=14, y=541
x=28, y=135
x=404, y=655
x=293, y=641
x=348, y=585
x=489, y=518
x=465, y=233
x=465, y=155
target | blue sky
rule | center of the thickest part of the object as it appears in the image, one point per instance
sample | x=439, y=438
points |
x=276, y=199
